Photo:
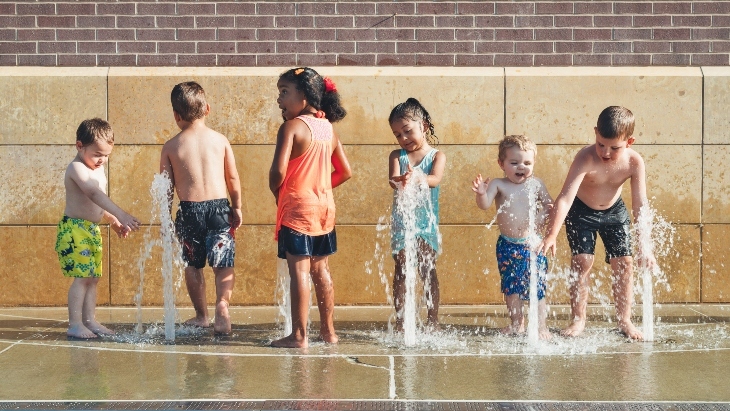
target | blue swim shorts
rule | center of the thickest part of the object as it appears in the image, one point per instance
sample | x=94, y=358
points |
x=513, y=260
x=300, y=244
x=205, y=233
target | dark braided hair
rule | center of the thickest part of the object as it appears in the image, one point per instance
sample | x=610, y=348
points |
x=311, y=84
x=412, y=109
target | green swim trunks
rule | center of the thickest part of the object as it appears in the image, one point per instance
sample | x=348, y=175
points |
x=78, y=244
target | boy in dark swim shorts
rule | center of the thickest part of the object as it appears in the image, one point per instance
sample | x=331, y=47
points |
x=590, y=202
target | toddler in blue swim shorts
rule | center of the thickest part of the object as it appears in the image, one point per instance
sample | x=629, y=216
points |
x=519, y=231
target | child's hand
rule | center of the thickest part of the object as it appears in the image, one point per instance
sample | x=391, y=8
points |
x=117, y=227
x=405, y=177
x=647, y=262
x=128, y=222
x=236, y=218
x=547, y=245
x=479, y=185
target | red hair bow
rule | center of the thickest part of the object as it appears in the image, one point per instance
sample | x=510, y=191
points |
x=329, y=85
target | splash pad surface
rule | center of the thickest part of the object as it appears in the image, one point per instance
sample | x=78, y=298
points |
x=468, y=362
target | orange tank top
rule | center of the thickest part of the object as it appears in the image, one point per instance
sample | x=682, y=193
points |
x=305, y=197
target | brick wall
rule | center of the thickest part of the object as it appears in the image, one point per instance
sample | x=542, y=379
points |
x=363, y=33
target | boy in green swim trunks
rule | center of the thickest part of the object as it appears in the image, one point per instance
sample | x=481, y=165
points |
x=78, y=241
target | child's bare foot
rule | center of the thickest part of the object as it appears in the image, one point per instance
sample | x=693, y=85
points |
x=222, y=324
x=80, y=331
x=575, y=329
x=97, y=328
x=513, y=329
x=290, y=342
x=544, y=334
x=329, y=337
x=628, y=329
x=198, y=322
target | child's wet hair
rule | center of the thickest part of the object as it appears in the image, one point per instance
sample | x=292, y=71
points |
x=616, y=122
x=93, y=130
x=515, y=140
x=312, y=85
x=412, y=109
x=188, y=100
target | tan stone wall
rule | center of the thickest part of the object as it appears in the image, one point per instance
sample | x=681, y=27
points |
x=682, y=130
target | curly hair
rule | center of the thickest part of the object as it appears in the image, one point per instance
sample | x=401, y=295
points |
x=412, y=109
x=312, y=85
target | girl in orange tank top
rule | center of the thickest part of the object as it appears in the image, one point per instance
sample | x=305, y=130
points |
x=308, y=163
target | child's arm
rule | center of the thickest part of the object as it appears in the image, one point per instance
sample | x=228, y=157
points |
x=233, y=184
x=437, y=170
x=486, y=191
x=166, y=167
x=115, y=225
x=546, y=201
x=284, y=144
x=394, y=176
x=342, y=171
x=639, y=201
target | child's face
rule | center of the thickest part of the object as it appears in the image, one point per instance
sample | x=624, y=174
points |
x=291, y=101
x=95, y=154
x=611, y=149
x=410, y=134
x=518, y=164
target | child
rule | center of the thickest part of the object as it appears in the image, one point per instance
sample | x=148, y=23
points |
x=591, y=201
x=202, y=169
x=78, y=241
x=301, y=179
x=512, y=196
x=413, y=129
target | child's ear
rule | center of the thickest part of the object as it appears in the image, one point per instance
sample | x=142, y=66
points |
x=207, y=109
x=630, y=141
x=177, y=116
x=79, y=145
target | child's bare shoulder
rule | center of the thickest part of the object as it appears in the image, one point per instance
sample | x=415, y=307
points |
x=584, y=157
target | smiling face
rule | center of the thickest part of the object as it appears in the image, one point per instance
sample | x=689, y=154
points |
x=410, y=134
x=95, y=154
x=518, y=164
x=291, y=101
x=609, y=150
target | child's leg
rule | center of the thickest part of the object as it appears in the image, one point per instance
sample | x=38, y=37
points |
x=580, y=269
x=427, y=265
x=399, y=289
x=543, y=330
x=224, y=280
x=89, y=310
x=195, y=283
x=325, y=291
x=623, y=294
x=76, y=298
x=517, y=319
x=299, y=269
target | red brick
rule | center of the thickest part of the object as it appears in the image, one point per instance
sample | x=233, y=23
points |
x=396, y=60
x=494, y=21
x=155, y=34
x=612, y=21
x=276, y=34
x=591, y=59
x=399, y=8
x=19, y=21
x=632, y=34
x=436, y=8
x=284, y=47
x=691, y=47
x=357, y=9
x=553, y=34
x=155, y=9
x=454, y=21
x=37, y=60
x=336, y=47
x=76, y=9
x=8, y=35
x=612, y=47
x=652, y=21
x=512, y=60
x=415, y=21
x=670, y=59
x=14, y=47
x=235, y=8
x=692, y=21
x=395, y=34
x=356, y=59
x=254, y=21
x=254, y=47
x=316, y=59
x=141, y=22
x=652, y=47
x=35, y=34
x=185, y=60
x=175, y=47
x=534, y=21
x=115, y=9
x=631, y=60
x=374, y=21
x=672, y=7
x=592, y=34
x=7, y=8
x=137, y=47
x=435, y=60
x=316, y=8
x=711, y=7
x=8, y=60
x=294, y=21
x=477, y=7
x=334, y=21
x=462, y=47
x=56, y=21
x=573, y=47
x=48, y=47
x=216, y=47
x=721, y=21
x=474, y=60
x=375, y=47
x=533, y=47
x=475, y=34
x=236, y=34
x=632, y=7
x=513, y=34
x=196, y=34
x=175, y=21
x=710, y=59
x=115, y=34
x=671, y=34
x=710, y=34
x=196, y=9
x=236, y=60
x=95, y=22
x=573, y=21
x=97, y=47
x=720, y=46
x=279, y=9
x=157, y=60
x=265, y=60
x=495, y=47
x=120, y=60
x=565, y=7
x=514, y=8
x=77, y=60
x=355, y=34
x=553, y=60
x=215, y=21
x=316, y=34
x=35, y=9
x=435, y=34
x=593, y=7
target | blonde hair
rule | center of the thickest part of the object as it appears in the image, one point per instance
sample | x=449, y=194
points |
x=519, y=141
x=616, y=122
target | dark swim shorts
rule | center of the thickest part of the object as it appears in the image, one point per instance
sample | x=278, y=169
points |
x=296, y=243
x=204, y=231
x=513, y=260
x=612, y=224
